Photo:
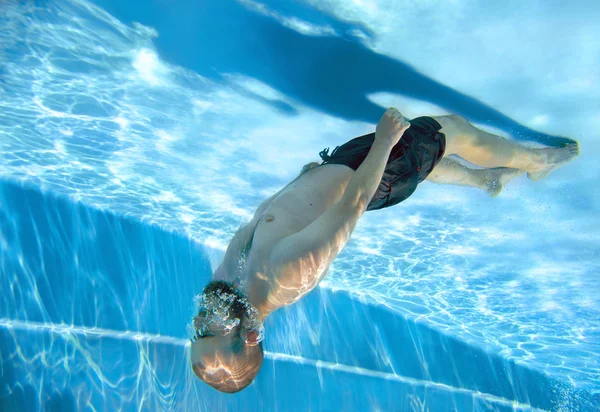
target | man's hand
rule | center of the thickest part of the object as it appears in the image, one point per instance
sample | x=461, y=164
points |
x=391, y=127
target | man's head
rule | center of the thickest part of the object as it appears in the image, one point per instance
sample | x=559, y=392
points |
x=227, y=349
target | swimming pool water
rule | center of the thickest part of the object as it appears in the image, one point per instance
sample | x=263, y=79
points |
x=144, y=127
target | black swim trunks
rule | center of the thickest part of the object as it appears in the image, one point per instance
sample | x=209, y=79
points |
x=412, y=159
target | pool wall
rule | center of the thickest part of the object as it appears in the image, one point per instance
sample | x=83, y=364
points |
x=95, y=306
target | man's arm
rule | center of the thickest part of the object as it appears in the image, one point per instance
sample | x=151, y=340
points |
x=315, y=247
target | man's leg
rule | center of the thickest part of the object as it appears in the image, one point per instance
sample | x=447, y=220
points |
x=488, y=150
x=449, y=171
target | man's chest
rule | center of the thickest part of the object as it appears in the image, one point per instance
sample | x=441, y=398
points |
x=299, y=204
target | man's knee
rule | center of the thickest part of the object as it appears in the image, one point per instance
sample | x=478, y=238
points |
x=452, y=120
x=458, y=131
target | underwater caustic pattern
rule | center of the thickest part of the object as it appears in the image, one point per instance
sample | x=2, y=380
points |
x=97, y=314
x=91, y=110
x=109, y=371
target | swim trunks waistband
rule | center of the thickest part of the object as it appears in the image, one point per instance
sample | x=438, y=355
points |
x=411, y=160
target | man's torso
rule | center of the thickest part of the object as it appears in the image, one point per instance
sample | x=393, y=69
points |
x=309, y=196
x=288, y=212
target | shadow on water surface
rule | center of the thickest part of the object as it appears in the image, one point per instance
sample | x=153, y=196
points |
x=333, y=74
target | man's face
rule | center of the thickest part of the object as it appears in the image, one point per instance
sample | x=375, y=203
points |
x=226, y=352
x=211, y=345
x=225, y=362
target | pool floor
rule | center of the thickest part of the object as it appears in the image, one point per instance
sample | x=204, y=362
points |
x=97, y=317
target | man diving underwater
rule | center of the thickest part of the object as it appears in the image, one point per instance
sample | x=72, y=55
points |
x=285, y=251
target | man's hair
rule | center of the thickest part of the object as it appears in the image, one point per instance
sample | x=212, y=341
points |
x=238, y=306
x=245, y=361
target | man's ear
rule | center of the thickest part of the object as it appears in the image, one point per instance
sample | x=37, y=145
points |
x=252, y=338
x=236, y=282
x=198, y=321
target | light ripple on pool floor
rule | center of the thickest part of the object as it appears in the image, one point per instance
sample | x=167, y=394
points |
x=78, y=335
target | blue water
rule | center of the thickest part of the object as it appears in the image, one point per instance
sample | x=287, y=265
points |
x=136, y=138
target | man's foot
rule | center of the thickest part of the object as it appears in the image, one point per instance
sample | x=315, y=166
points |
x=553, y=159
x=494, y=179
